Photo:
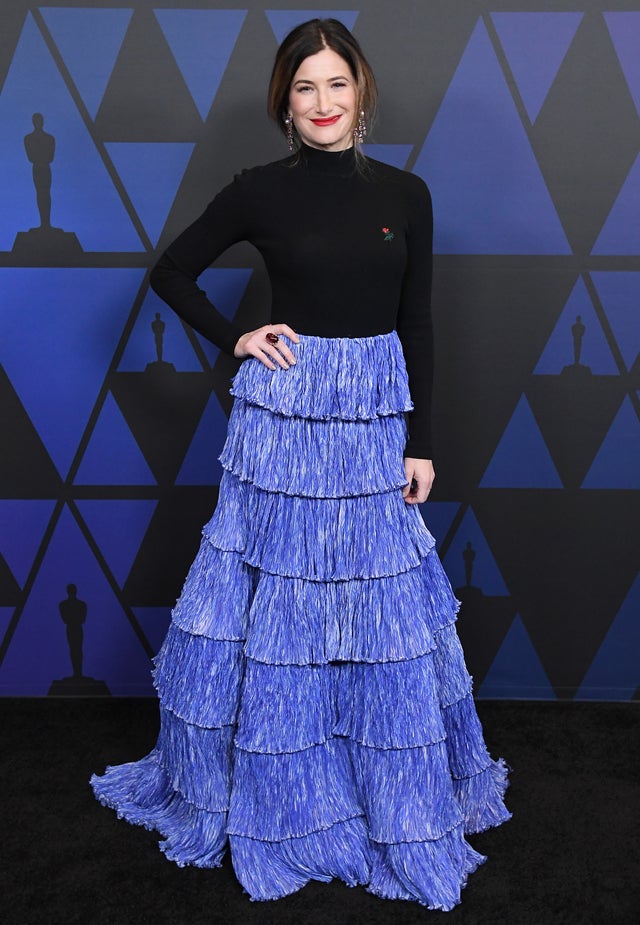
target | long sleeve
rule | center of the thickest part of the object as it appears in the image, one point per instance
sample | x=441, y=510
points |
x=414, y=324
x=174, y=276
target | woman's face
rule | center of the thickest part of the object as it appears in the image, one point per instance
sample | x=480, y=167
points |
x=322, y=101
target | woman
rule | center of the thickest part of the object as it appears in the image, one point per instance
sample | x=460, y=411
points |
x=316, y=711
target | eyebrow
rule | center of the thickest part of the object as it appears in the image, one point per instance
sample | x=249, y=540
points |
x=304, y=80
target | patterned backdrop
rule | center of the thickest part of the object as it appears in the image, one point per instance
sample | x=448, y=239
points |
x=119, y=121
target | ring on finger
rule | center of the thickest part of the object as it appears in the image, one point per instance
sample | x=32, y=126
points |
x=272, y=338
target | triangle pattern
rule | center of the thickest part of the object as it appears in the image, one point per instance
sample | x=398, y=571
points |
x=394, y=155
x=202, y=42
x=438, y=517
x=112, y=651
x=496, y=201
x=201, y=466
x=617, y=463
x=51, y=329
x=621, y=231
x=155, y=623
x=624, y=29
x=118, y=528
x=141, y=350
x=559, y=351
x=521, y=459
x=225, y=288
x=485, y=573
x=283, y=21
x=89, y=42
x=82, y=187
x=23, y=526
x=620, y=296
x=113, y=456
x=535, y=45
x=614, y=673
x=516, y=671
x=151, y=173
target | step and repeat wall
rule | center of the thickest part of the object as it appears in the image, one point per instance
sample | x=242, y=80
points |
x=120, y=121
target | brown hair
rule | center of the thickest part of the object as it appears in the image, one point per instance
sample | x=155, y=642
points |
x=308, y=39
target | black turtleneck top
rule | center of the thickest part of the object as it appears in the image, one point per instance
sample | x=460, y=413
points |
x=348, y=253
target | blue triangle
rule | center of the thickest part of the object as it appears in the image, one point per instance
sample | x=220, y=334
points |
x=155, y=623
x=394, y=155
x=620, y=296
x=438, y=517
x=39, y=653
x=283, y=21
x=89, y=42
x=595, y=352
x=201, y=466
x=621, y=231
x=516, y=671
x=23, y=526
x=535, y=45
x=84, y=199
x=118, y=528
x=225, y=288
x=485, y=574
x=113, y=456
x=489, y=192
x=521, y=459
x=614, y=673
x=624, y=29
x=141, y=346
x=151, y=173
x=202, y=42
x=617, y=463
x=66, y=324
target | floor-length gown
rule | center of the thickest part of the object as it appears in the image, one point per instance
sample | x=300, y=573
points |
x=316, y=712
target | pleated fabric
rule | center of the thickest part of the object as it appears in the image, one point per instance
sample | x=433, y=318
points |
x=316, y=712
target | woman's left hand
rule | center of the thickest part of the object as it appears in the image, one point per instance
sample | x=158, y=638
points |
x=420, y=475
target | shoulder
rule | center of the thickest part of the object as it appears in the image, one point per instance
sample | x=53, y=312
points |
x=410, y=185
x=262, y=174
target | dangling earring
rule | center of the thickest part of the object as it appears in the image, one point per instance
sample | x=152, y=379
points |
x=288, y=121
x=360, y=131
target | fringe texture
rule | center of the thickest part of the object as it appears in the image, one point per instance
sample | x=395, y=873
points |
x=316, y=711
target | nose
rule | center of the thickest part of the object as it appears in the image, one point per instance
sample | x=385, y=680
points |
x=322, y=101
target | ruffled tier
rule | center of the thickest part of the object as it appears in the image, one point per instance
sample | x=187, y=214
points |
x=316, y=710
x=349, y=378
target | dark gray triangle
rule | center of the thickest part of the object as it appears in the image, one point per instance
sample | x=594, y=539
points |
x=569, y=559
x=12, y=20
x=587, y=129
x=147, y=98
x=485, y=353
x=26, y=469
x=169, y=546
x=574, y=413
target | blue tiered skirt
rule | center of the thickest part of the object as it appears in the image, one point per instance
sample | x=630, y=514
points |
x=316, y=712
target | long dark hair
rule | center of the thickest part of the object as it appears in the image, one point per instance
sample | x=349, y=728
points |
x=308, y=39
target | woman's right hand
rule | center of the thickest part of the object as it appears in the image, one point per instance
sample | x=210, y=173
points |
x=255, y=343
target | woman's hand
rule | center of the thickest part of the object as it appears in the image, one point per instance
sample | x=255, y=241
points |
x=420, y=475
x=255, y=343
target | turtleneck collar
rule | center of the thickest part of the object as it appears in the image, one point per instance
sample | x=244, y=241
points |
x=338, y=163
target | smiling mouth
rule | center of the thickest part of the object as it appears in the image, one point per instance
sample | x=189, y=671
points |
x=330, y=121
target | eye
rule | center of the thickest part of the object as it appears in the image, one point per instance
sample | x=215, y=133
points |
x=339, y=84
x=304, y=89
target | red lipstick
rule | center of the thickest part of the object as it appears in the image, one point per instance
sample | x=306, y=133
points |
x=330, y=121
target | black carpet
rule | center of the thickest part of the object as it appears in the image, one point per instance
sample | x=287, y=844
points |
x=569, y=856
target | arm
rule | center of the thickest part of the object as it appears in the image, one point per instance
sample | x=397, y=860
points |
x=415, y=331
x=174, y=276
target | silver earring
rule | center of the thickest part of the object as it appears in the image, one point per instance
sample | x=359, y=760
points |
x=360, y=131
x=288, y=121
